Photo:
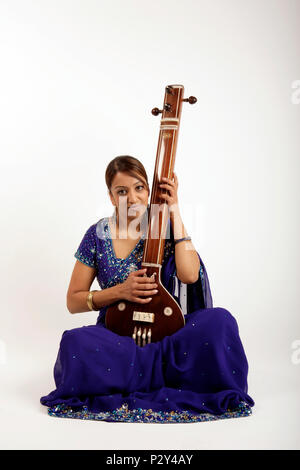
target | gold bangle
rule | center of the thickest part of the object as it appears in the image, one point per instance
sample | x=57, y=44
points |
x=89, y=300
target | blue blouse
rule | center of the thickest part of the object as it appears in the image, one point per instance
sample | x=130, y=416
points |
x=96, y=250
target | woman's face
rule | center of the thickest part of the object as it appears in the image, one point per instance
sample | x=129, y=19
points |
x=129, y=192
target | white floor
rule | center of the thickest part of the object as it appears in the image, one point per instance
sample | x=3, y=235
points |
x=25, y=423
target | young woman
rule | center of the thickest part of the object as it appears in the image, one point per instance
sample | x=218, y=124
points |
x=197, y=374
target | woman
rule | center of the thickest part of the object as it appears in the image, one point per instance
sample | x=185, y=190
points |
x=197, y=374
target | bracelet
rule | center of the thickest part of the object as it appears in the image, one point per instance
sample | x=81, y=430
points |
x=89, y=300
x=182, y=239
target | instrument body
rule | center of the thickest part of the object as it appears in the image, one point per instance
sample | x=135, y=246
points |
x=150, y=322
x=161, y=316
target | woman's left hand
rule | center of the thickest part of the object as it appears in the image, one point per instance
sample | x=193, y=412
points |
x=172, y=186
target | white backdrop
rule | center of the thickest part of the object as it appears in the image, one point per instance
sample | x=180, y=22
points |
x=78, y=82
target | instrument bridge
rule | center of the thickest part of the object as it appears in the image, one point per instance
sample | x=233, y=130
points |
x=143, y=316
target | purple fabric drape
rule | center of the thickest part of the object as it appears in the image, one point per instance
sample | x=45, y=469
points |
x=199, y=373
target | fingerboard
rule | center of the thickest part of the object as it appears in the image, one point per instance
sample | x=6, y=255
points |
x=164, y=166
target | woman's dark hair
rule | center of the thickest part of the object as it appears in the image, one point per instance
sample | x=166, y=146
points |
x=126, y=164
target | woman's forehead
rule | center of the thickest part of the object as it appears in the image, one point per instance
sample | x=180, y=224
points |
x=124, y=179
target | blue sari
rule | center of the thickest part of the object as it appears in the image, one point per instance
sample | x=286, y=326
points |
x=197, y=374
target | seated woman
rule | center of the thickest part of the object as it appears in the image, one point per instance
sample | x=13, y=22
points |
x=197, y=374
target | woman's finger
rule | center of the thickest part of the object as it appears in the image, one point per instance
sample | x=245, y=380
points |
x=142, y=301
x=143, y=280
x=142, y=286
x=146, y=293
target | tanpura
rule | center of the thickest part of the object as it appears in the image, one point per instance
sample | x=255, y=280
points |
x=162, y=316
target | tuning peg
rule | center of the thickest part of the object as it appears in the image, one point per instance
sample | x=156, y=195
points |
x=156, y=111
x=169, y=90
x=191, y=99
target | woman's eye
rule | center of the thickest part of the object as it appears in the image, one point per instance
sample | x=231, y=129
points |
x=140, y=186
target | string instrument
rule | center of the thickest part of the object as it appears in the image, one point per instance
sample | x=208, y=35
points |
x=162, y=316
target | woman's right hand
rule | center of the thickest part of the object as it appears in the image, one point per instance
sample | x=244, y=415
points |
x=138, y=285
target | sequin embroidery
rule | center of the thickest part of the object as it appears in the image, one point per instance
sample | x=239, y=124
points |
x=140, y=415
x=96, y=250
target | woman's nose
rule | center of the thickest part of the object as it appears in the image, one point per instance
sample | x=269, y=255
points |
x=132, y=198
